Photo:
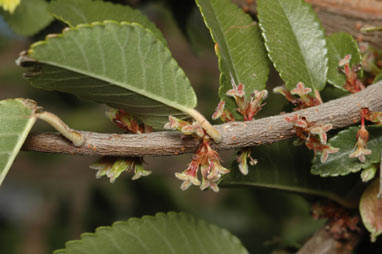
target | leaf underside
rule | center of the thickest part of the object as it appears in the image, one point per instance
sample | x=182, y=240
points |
x=17, y=117
x=29, y=17
x=370, y=208
x=241, y=52
x=74, y=12
x=159, y=234
x=339, y=163
x=340, y=45
x=295, y=42
x=283, y=166
x=120, y=64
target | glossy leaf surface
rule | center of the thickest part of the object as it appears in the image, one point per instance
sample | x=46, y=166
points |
x=295, y=42
x=340, y=45
x=339, y=163
x=239, y=47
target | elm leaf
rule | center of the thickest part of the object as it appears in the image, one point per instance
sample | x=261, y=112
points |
x=29, y=17
x=120, y=64
x=239, y=47
x=340, y=45
x=295, y=42
x=17, y=117
x=339, y=163
x=160, y=234
x=74, y=12
x=370, y=208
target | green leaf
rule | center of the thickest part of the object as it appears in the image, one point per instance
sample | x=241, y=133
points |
x=74, y=12
x=339, y=163
x=120, y=64
x=9, y=5
x=159, y=234
x=283, y=166
x=295, y=42
x=370, y=208
x=17, y=117
x=240, y=48
x=29, y=17
x=340, y=45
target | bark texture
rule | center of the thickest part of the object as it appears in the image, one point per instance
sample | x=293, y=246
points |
x=340, y=113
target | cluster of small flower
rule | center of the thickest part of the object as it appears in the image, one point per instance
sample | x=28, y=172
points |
x=363, y=135
x=112, y=167
x=248, y=108
x=304, y=99
x=313, y=134
x=353, y=84
x=126, y=121
x=206, y=159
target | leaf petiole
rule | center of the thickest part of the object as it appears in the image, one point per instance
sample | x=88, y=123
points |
x=207, y=126
x=368, y=29
x=74, y=136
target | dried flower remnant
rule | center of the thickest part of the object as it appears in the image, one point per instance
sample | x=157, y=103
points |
x=374, y=117
x=361, y=151
x=222, y=113
x=185, y=127
x=243, y=156
x=248, y=108
x=341, y=223
x=353, y=84
x=304, y=98
x=126, y=121
x=205, y=159
x=113, y=167
x=314, y=135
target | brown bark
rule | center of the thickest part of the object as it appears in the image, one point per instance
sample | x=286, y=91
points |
x=340, y=113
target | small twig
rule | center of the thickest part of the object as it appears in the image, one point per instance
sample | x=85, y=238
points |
x=340, y=113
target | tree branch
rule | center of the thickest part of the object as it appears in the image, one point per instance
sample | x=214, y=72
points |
x=324, y=243
x=340, y=113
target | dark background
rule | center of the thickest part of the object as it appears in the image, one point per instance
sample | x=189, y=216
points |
x=48, y=199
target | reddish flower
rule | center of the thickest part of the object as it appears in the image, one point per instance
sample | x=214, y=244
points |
x=361, y=151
